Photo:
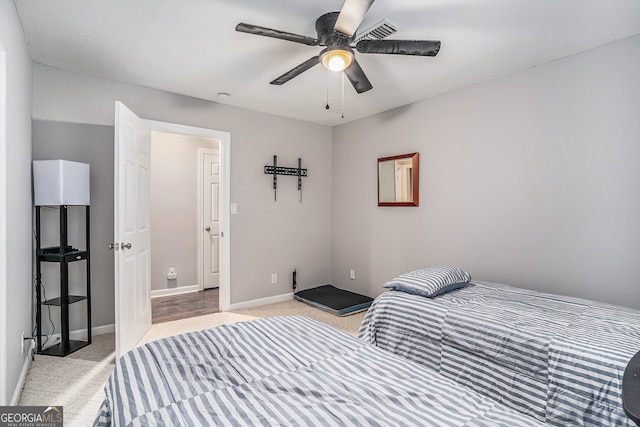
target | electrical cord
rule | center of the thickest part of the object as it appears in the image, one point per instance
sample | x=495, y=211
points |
x=44, y=294
x=53, y=325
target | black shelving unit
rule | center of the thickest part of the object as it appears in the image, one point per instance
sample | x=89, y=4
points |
x=62, y=255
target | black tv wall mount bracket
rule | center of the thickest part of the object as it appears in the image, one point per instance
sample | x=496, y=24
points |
x=276, y=170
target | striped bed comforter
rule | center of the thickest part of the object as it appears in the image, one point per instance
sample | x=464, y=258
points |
x=557, y=359
x=286, y=371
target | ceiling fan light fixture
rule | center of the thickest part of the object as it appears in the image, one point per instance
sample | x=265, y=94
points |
x=336, y=59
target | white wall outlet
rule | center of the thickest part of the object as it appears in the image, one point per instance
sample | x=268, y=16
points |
x=234, y=208
x=172, y=275
x=22, y=343
x=274, y=278
x=352, y=274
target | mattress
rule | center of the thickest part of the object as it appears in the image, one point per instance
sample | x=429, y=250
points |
x=334, y=300
x=286, y=371
x=558, y=359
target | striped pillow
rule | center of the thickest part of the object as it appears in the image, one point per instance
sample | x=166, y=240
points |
x=430, y=281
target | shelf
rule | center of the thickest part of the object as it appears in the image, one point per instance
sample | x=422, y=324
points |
x=57, y=350
x=66, y=257
x=63, y=254
x=70, y=299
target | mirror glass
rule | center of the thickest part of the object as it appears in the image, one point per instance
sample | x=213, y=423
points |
x=398, y=180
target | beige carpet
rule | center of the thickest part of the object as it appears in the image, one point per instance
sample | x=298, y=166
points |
x=76, y=382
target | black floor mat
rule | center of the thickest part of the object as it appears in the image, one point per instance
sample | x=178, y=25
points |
x=334, y=300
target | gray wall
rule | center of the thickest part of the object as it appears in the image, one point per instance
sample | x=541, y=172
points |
x=15, y=201
x=530, y=180
x=92, y=144
x=266, y=236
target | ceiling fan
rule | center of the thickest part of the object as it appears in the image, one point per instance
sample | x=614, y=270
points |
x=336, y=31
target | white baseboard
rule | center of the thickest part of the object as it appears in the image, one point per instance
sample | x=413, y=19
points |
x=174, y=291
x=261, y=301
x=23, y=377
x=104, y=329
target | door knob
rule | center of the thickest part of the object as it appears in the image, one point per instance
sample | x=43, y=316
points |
x=113, y=246
x=207, y=228
x=124, y=246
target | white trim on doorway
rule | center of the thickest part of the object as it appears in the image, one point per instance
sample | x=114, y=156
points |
x=225, y=153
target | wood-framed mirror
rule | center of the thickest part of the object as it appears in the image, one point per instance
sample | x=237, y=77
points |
x=398, y=178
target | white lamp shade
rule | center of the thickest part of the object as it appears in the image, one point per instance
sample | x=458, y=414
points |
x=60, y=182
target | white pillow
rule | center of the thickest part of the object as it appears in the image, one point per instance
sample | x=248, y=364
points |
x=430, y=281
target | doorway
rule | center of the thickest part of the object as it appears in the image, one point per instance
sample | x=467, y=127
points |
x=224, y=139
x=186, y=223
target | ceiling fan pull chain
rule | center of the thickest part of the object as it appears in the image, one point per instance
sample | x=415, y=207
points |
x=327, y=107
x=343, y=95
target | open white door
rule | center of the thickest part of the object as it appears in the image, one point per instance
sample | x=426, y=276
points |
x=132, y=238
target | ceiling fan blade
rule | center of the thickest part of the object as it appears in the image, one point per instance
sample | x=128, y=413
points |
x=351, y=16
x=358, y=78
x=400, y=47
x=296, y=71
x=276, y=34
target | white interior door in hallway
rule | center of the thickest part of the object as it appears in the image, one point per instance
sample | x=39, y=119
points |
x=211, y=209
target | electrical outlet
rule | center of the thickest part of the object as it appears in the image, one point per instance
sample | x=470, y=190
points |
x=22, y=343
x=352, y=274
x=274, y=278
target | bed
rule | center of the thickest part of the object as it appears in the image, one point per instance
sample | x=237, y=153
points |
x=286, y=371
x=557, y=359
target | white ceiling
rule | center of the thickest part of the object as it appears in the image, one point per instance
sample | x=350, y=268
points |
x=190, y=47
